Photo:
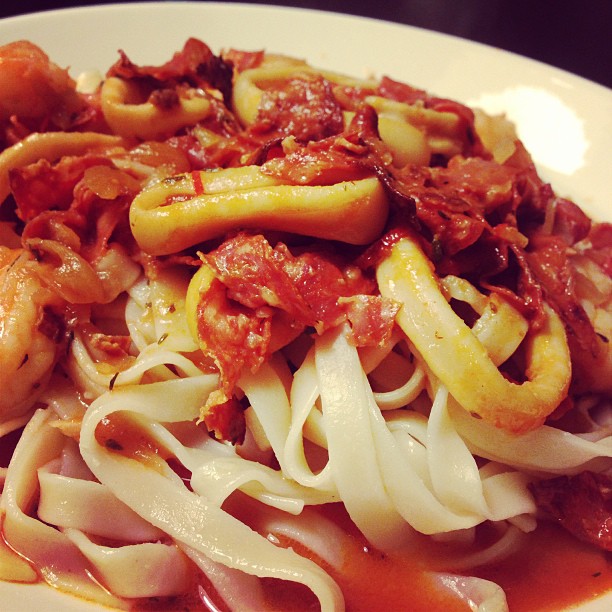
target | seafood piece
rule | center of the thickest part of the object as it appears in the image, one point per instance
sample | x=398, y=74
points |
x=458, y=357
x=32, y=327
x=33, y=87
x=184, y=210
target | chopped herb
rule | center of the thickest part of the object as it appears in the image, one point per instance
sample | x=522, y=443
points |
x=111, y=384
x=171, y=180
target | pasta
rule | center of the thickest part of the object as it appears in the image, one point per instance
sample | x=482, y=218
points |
x=264, y=327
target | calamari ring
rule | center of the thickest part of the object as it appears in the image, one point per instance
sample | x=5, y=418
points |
x=187, y=209
x=460, y=360
x=129, y=116
x=441, y=131
x=500, y=327
x=250, y=84
x=50, y=146
x=412, y=131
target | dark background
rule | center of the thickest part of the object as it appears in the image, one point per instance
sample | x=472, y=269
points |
x=575, y=35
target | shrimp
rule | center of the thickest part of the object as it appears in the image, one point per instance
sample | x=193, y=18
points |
x=592, y=267
x=33, y=87
x=32, y=326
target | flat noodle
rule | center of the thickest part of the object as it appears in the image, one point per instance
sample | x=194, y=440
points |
x=462, y=489
x=351, y=446
x=166, y=573
x=189, y=518
x=53, y=554
x=547, y=448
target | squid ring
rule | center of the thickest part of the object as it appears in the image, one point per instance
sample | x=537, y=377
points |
x=251, y=84
x=127, y=115
x=459, y=359
x=50, y=146
x=187, y=209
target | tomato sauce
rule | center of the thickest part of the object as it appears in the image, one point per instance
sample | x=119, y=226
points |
x=552, y=571
x=119, y=434
x=371, y=580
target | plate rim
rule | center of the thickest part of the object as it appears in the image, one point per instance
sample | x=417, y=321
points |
x=259, y=6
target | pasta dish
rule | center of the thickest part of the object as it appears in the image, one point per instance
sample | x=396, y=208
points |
x=273, y=337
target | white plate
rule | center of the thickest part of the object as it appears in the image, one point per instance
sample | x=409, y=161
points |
x=564, y=120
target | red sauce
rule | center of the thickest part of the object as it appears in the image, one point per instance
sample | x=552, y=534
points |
x=553, y=571
x=119, y=434
x=371, y=580
x=374, y=581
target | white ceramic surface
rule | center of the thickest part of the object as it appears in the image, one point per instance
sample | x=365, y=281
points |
x=564, y=120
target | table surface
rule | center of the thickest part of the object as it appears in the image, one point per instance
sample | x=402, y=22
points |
x=570, y=34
